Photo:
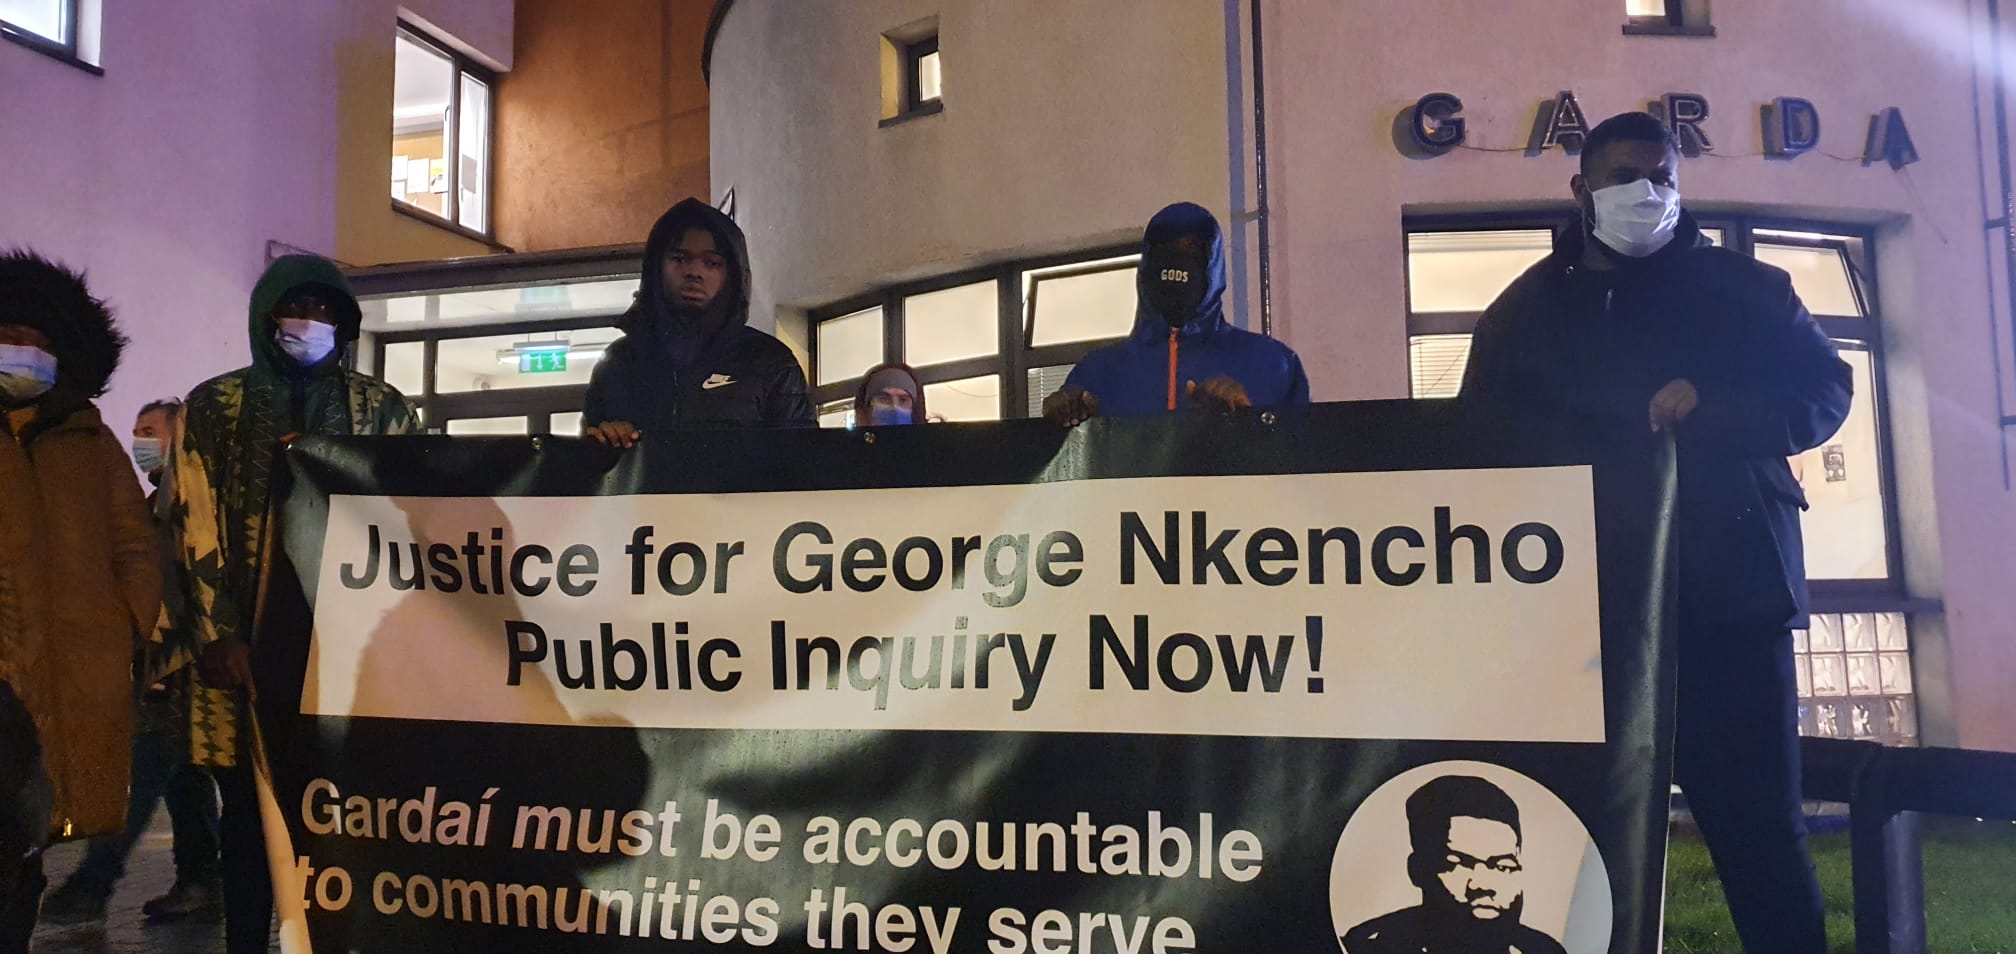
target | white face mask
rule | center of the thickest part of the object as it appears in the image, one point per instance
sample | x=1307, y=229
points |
x=1636, y=218
x=151, y=453
x=308, y=342
x=25, y=373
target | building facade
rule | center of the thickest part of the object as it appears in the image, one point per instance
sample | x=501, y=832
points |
x=957, y=183
x=169, y=154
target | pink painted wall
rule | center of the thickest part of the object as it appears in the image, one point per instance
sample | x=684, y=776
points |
x=1341, y=72
x=207, y=137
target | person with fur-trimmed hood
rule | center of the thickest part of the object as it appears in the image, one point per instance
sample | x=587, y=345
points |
x=80, y=578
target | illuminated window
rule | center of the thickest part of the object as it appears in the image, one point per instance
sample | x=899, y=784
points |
x=52, y=21
x=1088, y=301
x=1667, y=18
x=477, y=355
x=951, y=331
x=913, y=72
x=441, y=121
x=1461, y=272
x=952, y=324
x=849, y=345
x=967, y=399
x=66, y=30
x=925, y=76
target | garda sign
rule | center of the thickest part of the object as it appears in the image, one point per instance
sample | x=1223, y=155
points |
x=1791, y=127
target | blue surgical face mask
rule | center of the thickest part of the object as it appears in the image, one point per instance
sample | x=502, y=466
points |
x=25, y=373
x=307, y=342
x=881, y=415
x=151, y=453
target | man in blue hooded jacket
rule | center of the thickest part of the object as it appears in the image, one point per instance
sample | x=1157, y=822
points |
x=1181, y=352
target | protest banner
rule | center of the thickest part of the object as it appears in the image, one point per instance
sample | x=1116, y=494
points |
x=1355, y=677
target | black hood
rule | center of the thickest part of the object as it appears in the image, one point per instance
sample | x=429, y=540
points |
x=1570, y=242
x=650, y=315
x=49, y=298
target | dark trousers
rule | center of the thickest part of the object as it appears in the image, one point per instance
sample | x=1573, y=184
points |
x=161, y=772
x=24, y=819
x=1736, y=756
x=21, y=903
x=248, y=883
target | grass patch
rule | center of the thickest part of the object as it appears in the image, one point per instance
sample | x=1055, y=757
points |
x=1970, y=892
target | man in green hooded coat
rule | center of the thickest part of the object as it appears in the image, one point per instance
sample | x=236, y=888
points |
x=226, y=466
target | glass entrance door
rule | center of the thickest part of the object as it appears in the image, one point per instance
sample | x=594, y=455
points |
x=495, y=346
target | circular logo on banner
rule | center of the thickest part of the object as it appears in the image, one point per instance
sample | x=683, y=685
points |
x=1468, y=856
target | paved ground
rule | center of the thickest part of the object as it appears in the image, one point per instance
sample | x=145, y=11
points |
x=150, y=873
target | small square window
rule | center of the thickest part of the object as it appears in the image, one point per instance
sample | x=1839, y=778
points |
x=913, y=72
x=405, y=367
x=952, y=325
x=1667, y=18
x=848, y=345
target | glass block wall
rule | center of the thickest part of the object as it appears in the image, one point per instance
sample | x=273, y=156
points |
x=1854, y=672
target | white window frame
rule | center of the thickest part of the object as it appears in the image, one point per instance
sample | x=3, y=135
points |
x=1013, y=357
x=451, y=219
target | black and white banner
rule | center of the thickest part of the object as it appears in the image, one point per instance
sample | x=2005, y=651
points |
x=1368, y=678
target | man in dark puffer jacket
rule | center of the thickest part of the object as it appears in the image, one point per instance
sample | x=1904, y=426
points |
x=688, y=358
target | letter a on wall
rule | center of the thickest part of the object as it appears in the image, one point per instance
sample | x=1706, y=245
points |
x=1889, y=140
x=1562, y=124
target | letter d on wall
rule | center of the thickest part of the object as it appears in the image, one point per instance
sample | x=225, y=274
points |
x=1791, y=127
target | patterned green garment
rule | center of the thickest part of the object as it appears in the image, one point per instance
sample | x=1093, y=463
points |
x=226, y=456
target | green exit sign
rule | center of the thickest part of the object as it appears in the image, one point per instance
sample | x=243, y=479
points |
x=542, y=362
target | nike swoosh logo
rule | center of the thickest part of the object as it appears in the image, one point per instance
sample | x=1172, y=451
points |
x=716, y=381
